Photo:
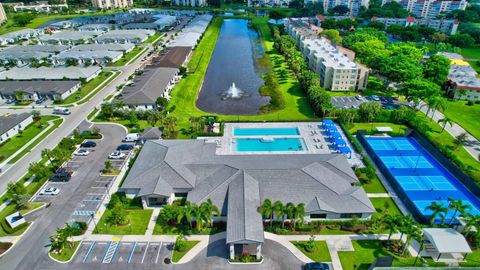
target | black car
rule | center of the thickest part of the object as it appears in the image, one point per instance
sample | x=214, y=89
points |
x=65, y=170
x=125, y=147
x=60, y=177
x=316, y=266
x=88, y=144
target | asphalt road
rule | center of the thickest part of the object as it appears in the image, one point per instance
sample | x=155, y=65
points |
x=31, y=252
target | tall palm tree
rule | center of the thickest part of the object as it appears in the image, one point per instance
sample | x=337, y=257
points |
x=391, y=222
x=458, y=207
x=278, y=210
x=460, y=140
x=199, y=216
x=409, y=228
x=289, y=211
x=405, y=224
x=437, y=210
x=441, y=104
x=266, y=209
x=209, y=209
x=186, y=212
x=445, y=121
x=298, y=214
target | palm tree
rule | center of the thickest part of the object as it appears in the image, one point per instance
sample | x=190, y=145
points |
x=278, y=210
x=48, y=154
x=419, y=238
x=405, y=224
x=458, y=207
x=289, y=211
x=392, y=222
x=445, y=121
x=186, y=212
x=472, y=221
x=298, y=214
x=460, y=140
x=266, y=209
x=209, y=209
x=199, y=216
x=437, y=210
x=63, y=237
x=410, y=229
x=440, y=104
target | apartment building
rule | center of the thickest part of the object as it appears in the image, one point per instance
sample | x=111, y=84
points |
x=191, y=3
x=353, y=5
x=463, y=82
x=108, y=4
x=446, y=26
x=431, y=8
x=268, y=3
x=3, y=16
x=39, y=6
x=334, y=64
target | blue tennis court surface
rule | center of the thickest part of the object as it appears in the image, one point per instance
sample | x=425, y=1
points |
x=422, y=178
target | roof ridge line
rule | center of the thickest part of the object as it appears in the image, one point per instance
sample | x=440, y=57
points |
x=226, y=180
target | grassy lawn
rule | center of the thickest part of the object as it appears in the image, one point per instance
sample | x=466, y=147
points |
x=473, y=53
x=56, y=123
x=10, y=209
x=89, y=87
x=12, y=145
x=375, y=185
x=385, y=205
x=66, y=253
x=151, y=39
x=133, y=54
x=371, y=127
x=31, y=206
x=92, y=113
x=177, y=255
x=321, y=253
x=184, y=95
x=473, y=259
x=464, y=115
x=138, y=223
x=475, y=66
x=366, y=251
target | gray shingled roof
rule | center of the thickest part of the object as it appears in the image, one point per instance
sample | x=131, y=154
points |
x=7, y=122
x=42, y=87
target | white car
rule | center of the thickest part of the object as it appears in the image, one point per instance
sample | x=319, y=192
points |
x=50, y=191
x=116, y=155
x=81, y=152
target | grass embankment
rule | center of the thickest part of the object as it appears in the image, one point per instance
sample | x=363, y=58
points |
x=66, y=253
x=366, y=251
x=472, y=259
x=371, y=128
x=138, y=223
x=13, y=144
x=133, y=54
x=471, y=53
x=320, y=254
x=385, y=205
x=464, y=115
x=178, y=254
x=102, y=78
x=153, y=38
x=182, y=105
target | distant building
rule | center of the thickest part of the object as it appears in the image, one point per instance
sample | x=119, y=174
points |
x=33, y=90
x=3, y=16
x=430, y=8
x=268, y=3
x=191, y=3
x=10, y=124
x=39, y=6
x=462, y=79
x=47, y=73
x=353, y=5
x=443, y=25
x=334, y=64
x=20, y=35
x=108, y=4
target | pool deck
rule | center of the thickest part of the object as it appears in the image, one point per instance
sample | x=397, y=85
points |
x=314, y=140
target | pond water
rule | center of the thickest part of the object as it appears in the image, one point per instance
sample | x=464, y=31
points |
x=232, y=81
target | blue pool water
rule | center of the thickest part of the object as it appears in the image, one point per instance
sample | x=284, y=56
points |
x=275, y=145
x=265, y=131
x=420, y=175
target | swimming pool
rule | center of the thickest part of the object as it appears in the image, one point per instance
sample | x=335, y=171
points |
x=270, y=145
x=288, y=131
x=420, y=176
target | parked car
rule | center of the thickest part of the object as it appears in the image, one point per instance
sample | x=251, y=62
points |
x=88, y=144
x=132, y=137
x=316, y=266
x=40, y=100
x=60, y=177
x=116, y=155
x=125, y=147
x=65, y=170
x=81, y=152
x=63, y=111
x=50, y=191
x=376, y=98
x=10, y=101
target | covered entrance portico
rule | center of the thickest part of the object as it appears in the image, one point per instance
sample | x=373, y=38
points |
x=237, y=249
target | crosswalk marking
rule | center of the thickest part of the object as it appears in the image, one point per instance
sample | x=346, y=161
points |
x=112, y=248
x=83, y=212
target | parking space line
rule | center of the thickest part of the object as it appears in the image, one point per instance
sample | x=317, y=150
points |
x=158, y=252
x=145, y=253
x=131, y=252
x=101, y=194
x=89, y=251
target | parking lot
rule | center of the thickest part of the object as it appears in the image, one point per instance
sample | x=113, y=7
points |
x=353, y=102
x=98, y=186
x=119, y=252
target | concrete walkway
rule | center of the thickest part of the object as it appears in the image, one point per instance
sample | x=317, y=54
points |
x=379, y=195
x=153, y=220
x=472, y=146
x=205, y=240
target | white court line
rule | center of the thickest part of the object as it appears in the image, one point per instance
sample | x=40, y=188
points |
x=145, y=253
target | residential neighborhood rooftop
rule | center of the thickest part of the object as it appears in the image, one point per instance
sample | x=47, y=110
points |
x=8, y=121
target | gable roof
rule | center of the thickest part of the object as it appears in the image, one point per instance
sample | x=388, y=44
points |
x=41, y=87
x=9, y=121
x=174, y=57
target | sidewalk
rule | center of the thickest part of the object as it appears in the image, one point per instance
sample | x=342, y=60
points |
x=153, y=220
x=472, y=145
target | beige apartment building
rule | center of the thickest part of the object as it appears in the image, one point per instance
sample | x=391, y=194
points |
x=108, y=4
x=3, y=16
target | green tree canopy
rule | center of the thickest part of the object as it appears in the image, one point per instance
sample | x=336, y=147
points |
x=436, y=69
x=332, y=35
x=418, y=89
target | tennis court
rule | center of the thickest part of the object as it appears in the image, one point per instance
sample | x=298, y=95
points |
x=404, y=162
x=436, y=182
x=392, y=144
